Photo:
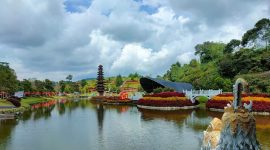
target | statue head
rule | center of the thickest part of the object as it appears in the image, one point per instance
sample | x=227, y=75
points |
x=239, y=86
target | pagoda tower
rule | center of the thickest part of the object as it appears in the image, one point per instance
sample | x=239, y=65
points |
x=100, y=81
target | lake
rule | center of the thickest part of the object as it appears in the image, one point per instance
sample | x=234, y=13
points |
x=87, y=125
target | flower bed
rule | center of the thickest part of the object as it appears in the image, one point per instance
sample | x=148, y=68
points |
x=245, y=95
x=166, y=94
x=116, y=99
x=166, y=100
x=261, y=102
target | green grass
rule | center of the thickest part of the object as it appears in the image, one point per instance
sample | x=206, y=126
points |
x=33, y=100
x=25, y=104
x=5, y=103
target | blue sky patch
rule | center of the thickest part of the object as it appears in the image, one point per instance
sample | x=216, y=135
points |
x=149, y=9
x=138, y=0
x=76, y=5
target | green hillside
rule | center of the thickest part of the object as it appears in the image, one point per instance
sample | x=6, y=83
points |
x=259, y=82
x=219, y=64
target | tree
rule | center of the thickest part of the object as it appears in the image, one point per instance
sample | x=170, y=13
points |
x=226, y=67
x=260, y=32
x=83, y=83
x=26, y=85
x=193, y=63
x=174, y=72
x=69, y=77
x=229, y=48
x=209, y=51
x=39, y=86
x=178, y=64
x=133, y=76
x=8, y=78
x=48, y=84
x=62, y=86
x=118, y=81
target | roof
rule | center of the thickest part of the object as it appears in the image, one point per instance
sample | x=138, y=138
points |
x=149, y=84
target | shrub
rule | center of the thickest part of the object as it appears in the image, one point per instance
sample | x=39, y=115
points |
x=14, y=101
x=202, y=99
x=160, y=89
x=157, y=90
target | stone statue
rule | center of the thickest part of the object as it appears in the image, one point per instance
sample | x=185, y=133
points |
x=237, y=128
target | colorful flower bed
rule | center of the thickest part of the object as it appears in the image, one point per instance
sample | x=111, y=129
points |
x=166, y=99
x=116, y=99
x=166, y=94
x=261, y=102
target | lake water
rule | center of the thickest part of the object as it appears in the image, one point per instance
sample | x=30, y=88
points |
x=85, y=125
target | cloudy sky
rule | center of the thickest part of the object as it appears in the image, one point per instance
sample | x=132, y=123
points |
x=54, y=38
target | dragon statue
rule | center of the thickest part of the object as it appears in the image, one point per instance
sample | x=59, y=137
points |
x=237, y=128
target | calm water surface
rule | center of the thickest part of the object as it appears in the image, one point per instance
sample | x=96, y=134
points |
x=84, y=125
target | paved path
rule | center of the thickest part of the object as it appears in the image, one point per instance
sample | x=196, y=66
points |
x=6, y=107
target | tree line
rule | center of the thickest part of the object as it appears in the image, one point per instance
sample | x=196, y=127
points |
x=10, y=84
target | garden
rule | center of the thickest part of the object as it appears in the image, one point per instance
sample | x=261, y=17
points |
x=166, y=101
x=117, y=100
x=260, y=102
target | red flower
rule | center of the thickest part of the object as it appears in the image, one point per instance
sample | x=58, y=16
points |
x=167, y=94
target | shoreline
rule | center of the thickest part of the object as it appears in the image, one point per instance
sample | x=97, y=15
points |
x=253, y=112
x=167, y=108
x=25, y=105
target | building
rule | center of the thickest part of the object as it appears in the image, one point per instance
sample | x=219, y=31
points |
x=149, y=84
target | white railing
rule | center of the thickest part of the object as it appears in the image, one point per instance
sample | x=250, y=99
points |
x=207, y=93
x=136, y=96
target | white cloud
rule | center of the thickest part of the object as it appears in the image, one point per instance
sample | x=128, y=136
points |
x=43, y=39
x=140, y=59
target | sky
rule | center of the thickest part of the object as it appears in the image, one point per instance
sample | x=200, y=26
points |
x=53, y=38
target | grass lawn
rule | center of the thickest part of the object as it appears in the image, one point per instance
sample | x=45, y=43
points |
x=5, y=103
x=25, y=104
x=33, y=100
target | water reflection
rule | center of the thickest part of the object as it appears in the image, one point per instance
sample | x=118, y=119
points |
x=176, y=116
x=6, y=129
x=197, y=120
x=100, y=116
x=119, y=108
x=61, y=108
x=97, y=126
